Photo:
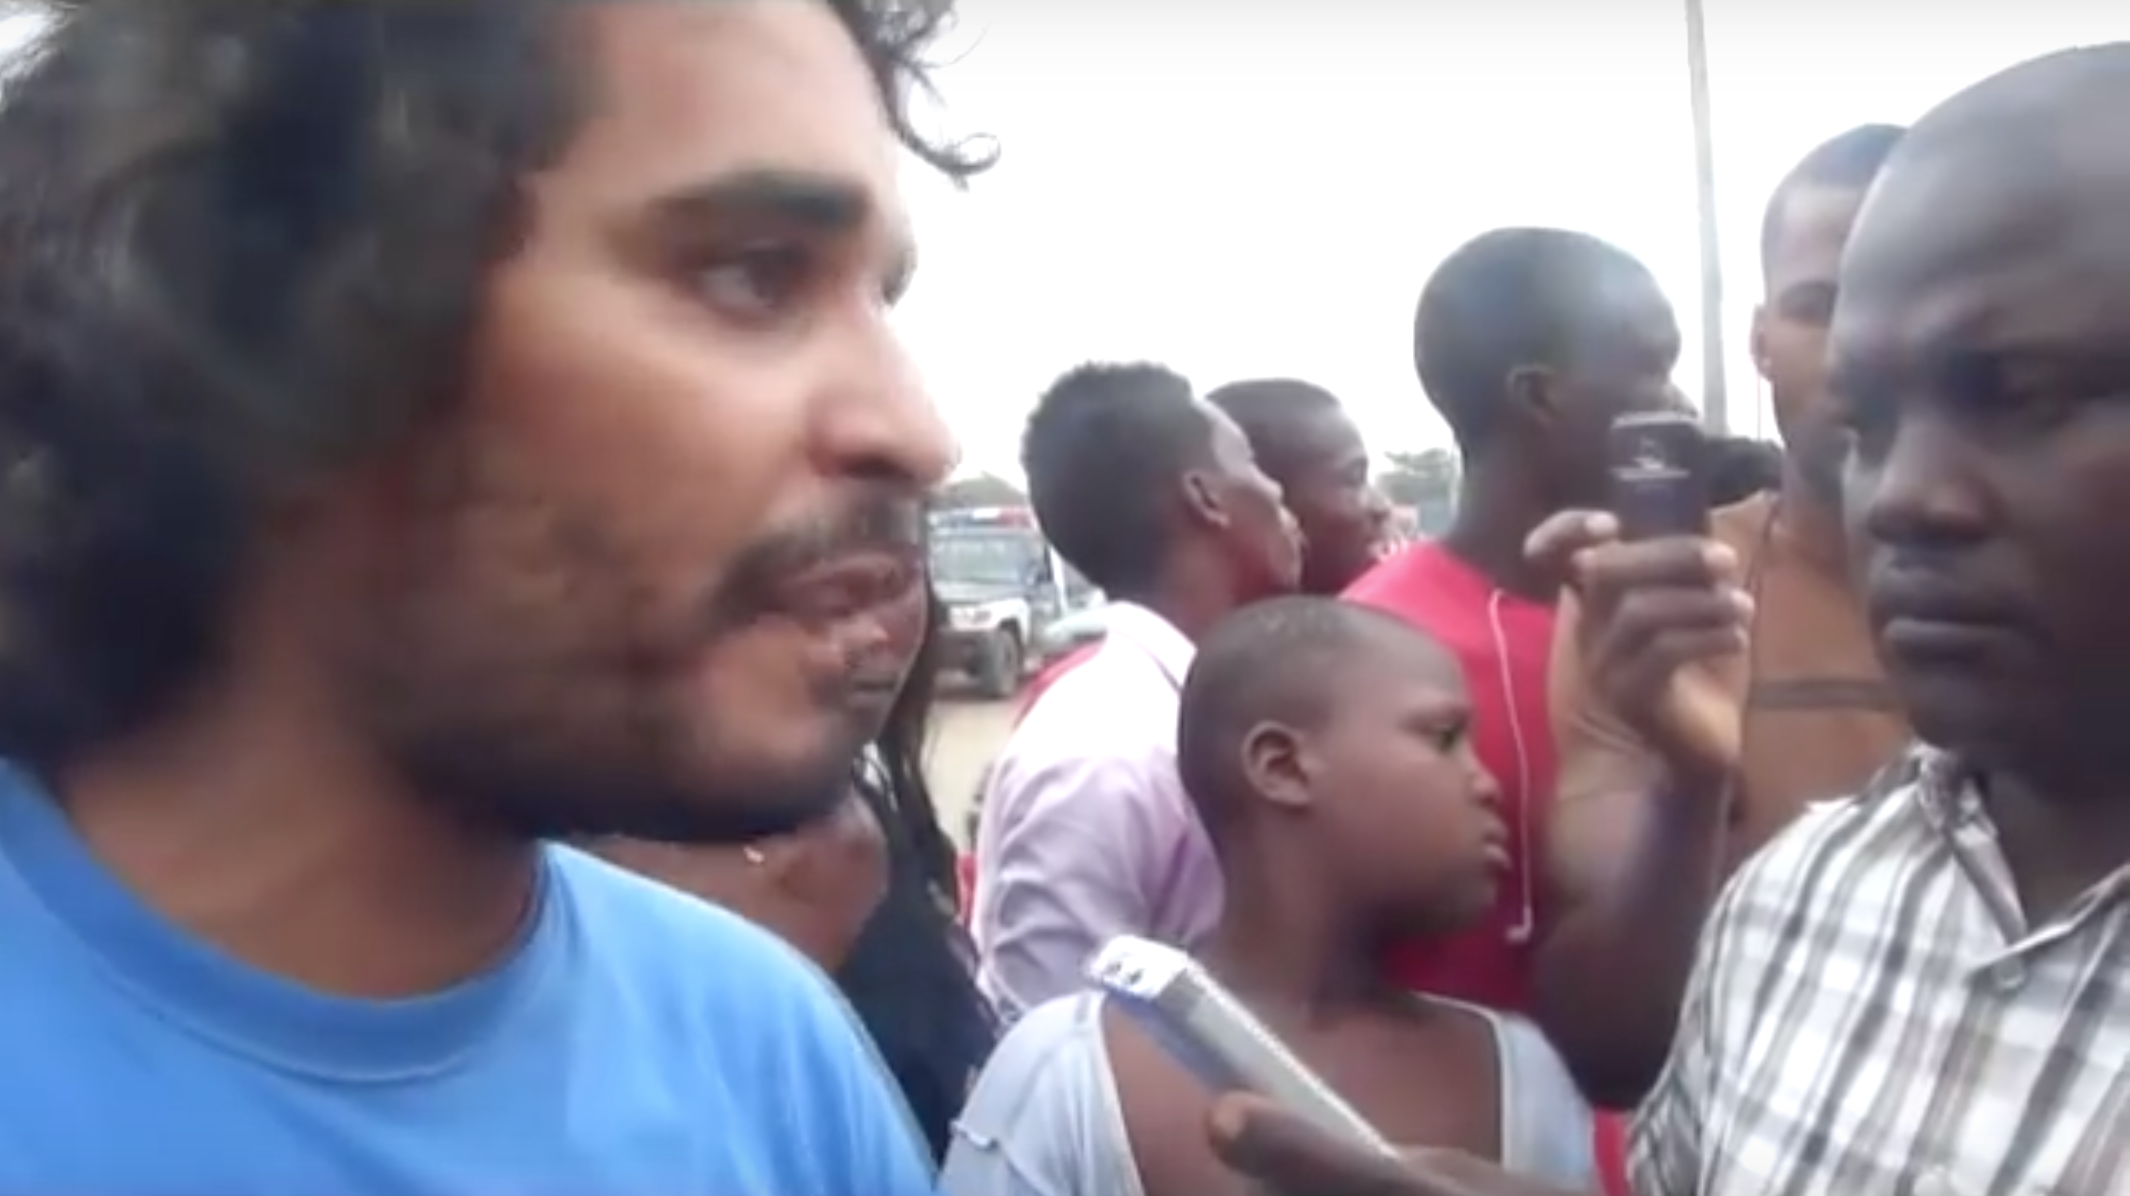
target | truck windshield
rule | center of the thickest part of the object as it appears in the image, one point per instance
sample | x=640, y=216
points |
x=1008, y=560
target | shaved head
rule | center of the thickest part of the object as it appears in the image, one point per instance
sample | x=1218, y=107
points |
x=1980, y=352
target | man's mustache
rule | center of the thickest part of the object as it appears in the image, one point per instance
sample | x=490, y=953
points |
x=882, y=522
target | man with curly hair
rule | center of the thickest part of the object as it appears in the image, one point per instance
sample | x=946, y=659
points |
x=432, y=432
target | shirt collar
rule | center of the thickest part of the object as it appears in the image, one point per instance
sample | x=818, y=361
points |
x=1945, y=789
x=1153, y=636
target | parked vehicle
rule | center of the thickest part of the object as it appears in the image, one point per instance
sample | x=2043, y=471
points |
x=1003, y=587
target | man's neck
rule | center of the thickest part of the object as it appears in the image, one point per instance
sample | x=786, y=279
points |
x=1495, y=515
x=1193, y=598
x=240, y=823
x=2061, y=832
x=1811, y=524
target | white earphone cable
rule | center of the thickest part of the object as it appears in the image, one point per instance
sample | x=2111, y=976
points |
x=1526, y=923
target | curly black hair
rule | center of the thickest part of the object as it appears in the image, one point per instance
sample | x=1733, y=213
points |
x=243, y=242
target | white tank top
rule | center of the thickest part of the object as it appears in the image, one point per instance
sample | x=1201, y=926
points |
x=1044, y=1118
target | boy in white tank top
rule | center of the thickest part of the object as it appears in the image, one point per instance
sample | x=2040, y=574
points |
x=1326, y=749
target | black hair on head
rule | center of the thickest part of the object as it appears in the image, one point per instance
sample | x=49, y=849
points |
x=1268, y=409
x=245, y=246
x=1283, y=660
x=1508, y=298
x=1848, y=160
x=1104, y=451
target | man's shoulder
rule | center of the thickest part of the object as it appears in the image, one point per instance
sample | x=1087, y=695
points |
x=741, y=995
x=1113, y=709
x=743, y=1012
x=660, y=937
x=1050, y=1054
x=1038, y=1117
x=1121, y=666
x=1743, y=525
x=1090, y=681
x=1409, y=582
x=1823, y=851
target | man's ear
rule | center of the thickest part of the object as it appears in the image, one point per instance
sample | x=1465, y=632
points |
x=1276, y=765
x=1531, y=393
x=1202, y=499
x=1760, y=339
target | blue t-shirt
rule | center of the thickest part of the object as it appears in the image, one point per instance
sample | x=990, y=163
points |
x=637, y=1041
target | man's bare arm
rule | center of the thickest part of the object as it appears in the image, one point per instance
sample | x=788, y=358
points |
x=1632, y=860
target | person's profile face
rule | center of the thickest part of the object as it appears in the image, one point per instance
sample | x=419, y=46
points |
x=1790, y=329
x=1979, y=364
x=1323, y=474
x=1621, y=363
x=1413, y=813
x=655, y=570
x=1264, y=538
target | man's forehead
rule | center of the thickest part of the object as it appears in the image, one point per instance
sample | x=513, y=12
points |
x=1616, y=289
x=1958, y=250
x=1813, y=224
x=683, y=97
x=1630, y=319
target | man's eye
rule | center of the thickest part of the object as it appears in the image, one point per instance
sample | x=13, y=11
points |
x=758, y=282
x=1448, y=737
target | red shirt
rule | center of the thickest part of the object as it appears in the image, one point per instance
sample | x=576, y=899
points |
x=1505, y=644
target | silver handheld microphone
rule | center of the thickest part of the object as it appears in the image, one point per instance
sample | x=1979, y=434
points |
x=1206, y=1030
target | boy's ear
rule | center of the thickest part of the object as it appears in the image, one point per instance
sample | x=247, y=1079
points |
x=1275, y=763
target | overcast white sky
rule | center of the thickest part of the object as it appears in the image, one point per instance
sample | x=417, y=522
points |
x=1261, y=188
x=1239, y=189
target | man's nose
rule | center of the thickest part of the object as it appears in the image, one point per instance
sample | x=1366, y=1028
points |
x=1920, y=492
x=1484, y=785
x=884, y=424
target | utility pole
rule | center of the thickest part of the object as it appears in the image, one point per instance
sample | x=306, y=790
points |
x=1715, y=395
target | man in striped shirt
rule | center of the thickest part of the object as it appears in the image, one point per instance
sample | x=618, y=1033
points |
x=1927, y=989
x=1924, y=990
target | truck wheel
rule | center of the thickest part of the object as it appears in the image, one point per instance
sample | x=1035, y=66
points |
x=998, y=669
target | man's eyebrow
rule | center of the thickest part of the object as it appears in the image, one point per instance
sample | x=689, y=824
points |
x=819, y=202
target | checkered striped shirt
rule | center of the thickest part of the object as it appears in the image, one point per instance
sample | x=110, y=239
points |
x=1871, y=1015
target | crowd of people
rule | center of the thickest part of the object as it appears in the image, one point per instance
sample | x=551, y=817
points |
x=466, y=662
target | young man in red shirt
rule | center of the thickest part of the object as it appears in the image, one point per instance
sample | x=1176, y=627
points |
x=1529, y=342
